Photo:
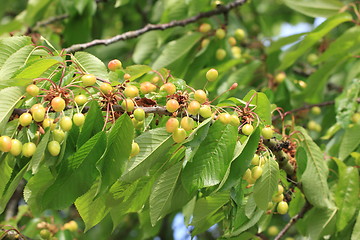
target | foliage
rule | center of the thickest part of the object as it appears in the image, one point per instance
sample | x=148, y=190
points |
x=118, y=174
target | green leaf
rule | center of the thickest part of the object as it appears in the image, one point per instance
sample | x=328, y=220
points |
x=91, y=64
x=9, y=46
x=266, y=185
x=76, y=174
x=9, y=98
x=310, y=39
x=35, y=10
x=36, y=68
x=301, y=161
x=153, y=144
x=146, y=45
x=346, y=195
x=356, y=232
x=174, y=50
x=92, y=210
x=212, y=159
x=256, y=217
x=5, y=173
x=118, y=150
x=162, y=192
x=39, y=153
x=93, y=124
x=316, y=8
x=137, y=71
x=278, y=44
x=263, y=106
x=350, y=141
x=314, y=178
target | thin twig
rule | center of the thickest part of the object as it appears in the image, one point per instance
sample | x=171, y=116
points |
x=51, y=20
x=222, y=9
x=293, y=220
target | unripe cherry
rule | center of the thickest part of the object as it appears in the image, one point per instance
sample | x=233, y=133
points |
x=66, y=123
x=135, y=149
x=128, y=105
x=225, y=118
x=171, y=125
x=71, y=226
x=212, y=75
x=232, y=41
x=5, y=143
x=205, y=42
x=282, y=207
x=88, y=80
x=115, y=64
x=106, y=88
x=32, y=90
x=127, y=76
x=220, y=54
x=200, y=96
x=36, y=106
x=155, y=79
x=49, y=123
x=280, y=189
x=280, y=77
x=16, y=147
x=187, y=123
x=256, y=172
x=179, y=135
x=28, y=149
x=193, y=107
x=169, y=88
x=147, y=87
x=139, y=114
x=25, y=119
x=131, y=91
x=58, y=135
x=54, y=148
x=278, y=198
x=204, y=28
x=80, y=99
x=267, y=132
x=79, y=119
x=255, y=160
x=38, y=114
x=58, y=104
x=220, y=33
x=247, y=174
x=240, y=34
x=172, y=105
x=235, y=121
x=247, y=129
x=236, y=52
x=205, y=111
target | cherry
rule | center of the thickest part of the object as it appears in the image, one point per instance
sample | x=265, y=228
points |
x=273, y=231
x=127, y=76
x=79, y=119
x=88, y=80
x=16, y=147
x=169, y=88
x=54, y=148
x=147, y=87
x=128, y=105
x=81, y=99
x=66, y=123
x=204, y=28
x=212, y=75
x=205, y=111
x=255, y=160
x=5, y=143
x=232, y=41
x=58, y=135
x=278, y=198
x=58, y=104
x=235, y=121
x=171, y=125
x=25, y=119
x=200, y=96
x=236, y=51
x=135, y=149
x=187, y=123
x=282, y=207
x=45, y=234
x=225, y=118
x=256, y=172
x=106, y=88
x=280, y=77
x=280, y=189
x=49, y=123
x=137, y=124
x=139, y=114
x=36, y=106
x=220, y=33
x=247, y=129
x=28, y=149
x=267, y=132
x=115, y=64
x=71, y=226
x=155, y=79
x=131, y=91
x=316, y=110
x=240, y=34
x=179, y=135
x=314, y=126
x=355, y=118
x=193, y=107
x=220, y=54
x=172, y=105
x=204, y=43
x=32, y=90
x=312, y=58
x=247, y=174
x=38, y=114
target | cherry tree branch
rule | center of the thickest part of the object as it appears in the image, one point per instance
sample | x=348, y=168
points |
x=221, y=9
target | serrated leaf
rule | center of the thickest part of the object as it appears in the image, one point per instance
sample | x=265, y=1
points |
x=9, y=46
x=9, y=98
x=137, y=71
x=5, y=173
x=314, y=178
x=262, y=103
x=146, y=45
x=37, y=68
x=278, y=44
x=162, y=192
x=350, y=141
x=346, y=195
x=76, y=174
x=174, y=50
x=266, y=185
x=39, y=153
x=256, y=217
x=91, y=64
x=317, y=8
x=212, y=159
x=356, y=230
